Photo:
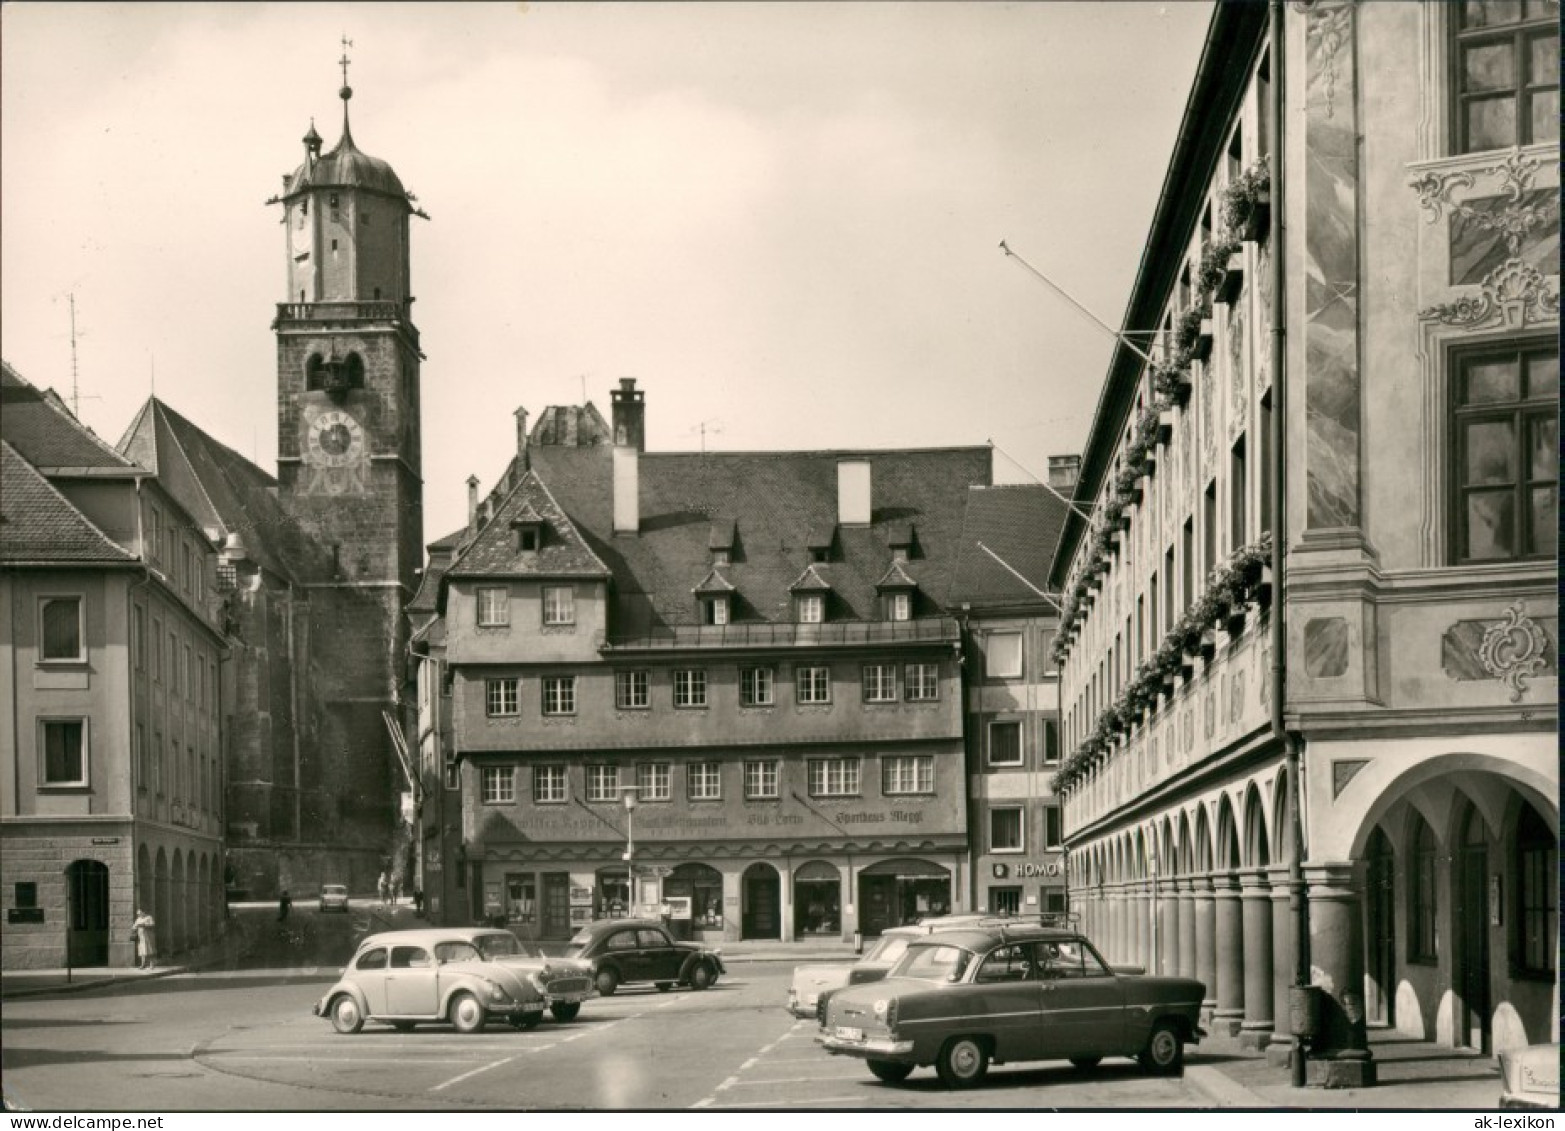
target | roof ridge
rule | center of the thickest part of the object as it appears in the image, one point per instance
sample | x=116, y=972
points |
x=179, y=446
x=72, y=507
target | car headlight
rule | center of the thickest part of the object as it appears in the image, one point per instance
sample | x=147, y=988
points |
x=497, y=993
x=881, y=1006
x=538, y=982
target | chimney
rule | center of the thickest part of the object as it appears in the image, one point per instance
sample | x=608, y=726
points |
x=521, y=438
x=853, y=494
x=629, y=415
x=1063, y=471
x=472, y=502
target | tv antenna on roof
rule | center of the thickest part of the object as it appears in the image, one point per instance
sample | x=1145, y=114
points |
x=76, y=396
x=707, y=426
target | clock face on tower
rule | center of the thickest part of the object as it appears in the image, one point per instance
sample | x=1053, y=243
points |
x=336, y=440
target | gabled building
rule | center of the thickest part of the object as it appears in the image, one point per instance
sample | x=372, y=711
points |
x=729, y=683
x=1309, y=639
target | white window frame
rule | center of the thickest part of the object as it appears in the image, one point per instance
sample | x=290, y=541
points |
x=762, y=780
x=993, y=668
x=903, y=775
x=84, y=752
x=655, y=781
x=1021, y=830
x=551, y=785
x=880, y=683
x=810, y=608
x=495, y=697
x=559, y=605
x=812, y=684
x=559, y=695
x=914, y=685
x=1021, y=753
x=835, y=777
x=44, y=601
x=690, y=689
x=492, y=611
x=899, y=606
x=704, y=781
x=603, y=783
x=632, y=690
x=715, y=610
x=497, y=785
x=757, y=687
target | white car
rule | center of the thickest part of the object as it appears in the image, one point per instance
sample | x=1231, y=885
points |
x=334, y=897
x=812, y=981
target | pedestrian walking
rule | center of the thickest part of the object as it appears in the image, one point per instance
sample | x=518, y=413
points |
x=383, y=886
x=396, y=889
x=143, y=930
x=284, y=905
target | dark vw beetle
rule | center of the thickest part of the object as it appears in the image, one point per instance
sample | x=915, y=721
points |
x=964, y=999
x=640, y=950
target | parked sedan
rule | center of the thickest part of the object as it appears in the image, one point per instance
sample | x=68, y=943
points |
x=964, y=999
x=462, y=975
x=625, y=951
x=815, y=980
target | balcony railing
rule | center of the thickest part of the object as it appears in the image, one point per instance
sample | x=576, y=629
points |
x=843, y=634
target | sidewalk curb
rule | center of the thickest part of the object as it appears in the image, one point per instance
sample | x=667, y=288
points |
x=1223, y=1091
x=94, y=983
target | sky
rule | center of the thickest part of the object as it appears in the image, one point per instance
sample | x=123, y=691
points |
x=783, y=219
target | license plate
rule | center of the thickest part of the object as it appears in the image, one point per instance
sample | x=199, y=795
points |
x=570, y=997
x=848, y=1033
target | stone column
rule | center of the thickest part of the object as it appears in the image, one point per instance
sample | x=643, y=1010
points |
x=1122, y=916
x=1256, y=903
x=1167, y=927
x=1339, y=1053
x=1141, y=940
x=1184, y=917
x=1279, y=1047
x=1229, y=1014
x=1206, y=943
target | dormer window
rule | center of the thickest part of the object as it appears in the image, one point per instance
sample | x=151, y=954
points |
x=810, y=608
x=896, y=588
x=714, y=610
x=899, y=553
x=720, y=557
x=819, y=542
x=715, y=596
x=899, y=606
x=528, y=527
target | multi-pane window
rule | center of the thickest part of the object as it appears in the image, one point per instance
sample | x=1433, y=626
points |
x=559, y=695
x=705, y=781
x=810, y=608
x=714, y=610
x=1506, y=470
x=899, y=606
x=761, y=780
x=755, y=687
x=549, y=784
x=1053, y=832
x=813, y=684
x=603, y=783
x=502, y=696
x=880, y=683
x=1005, y=743
x=690, y=688
x=921, y=682
x=1005, y=901
x=559, y=604
x=499, y=785
x=907, y=773
x=64, y=746
x=1537, y=872
x=631, y=692
x=834, y=777
x=653, y=781
x=1005, y=830
x=1422, y=902
x=494, y=607
x=61, y=622
x=1507, y=82
x=1003, y=655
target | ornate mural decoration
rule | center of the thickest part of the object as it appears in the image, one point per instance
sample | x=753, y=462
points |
x=1515, y=294
x=1514, y=649
x=1325, y=647
x=1343, y=772
x=1328, y=31
x=1236, y=368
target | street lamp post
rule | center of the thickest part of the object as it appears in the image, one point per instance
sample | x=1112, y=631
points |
x=628, y=795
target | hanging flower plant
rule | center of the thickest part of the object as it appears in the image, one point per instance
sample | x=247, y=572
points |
x=1171, y=379
x=1246, y=202
x=1187, y=330
x=1214, y=264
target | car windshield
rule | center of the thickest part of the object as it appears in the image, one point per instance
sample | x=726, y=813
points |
x=887, y=950
x=933, y=962
x=499, y=945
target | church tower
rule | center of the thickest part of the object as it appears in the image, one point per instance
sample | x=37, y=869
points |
x=349, y=471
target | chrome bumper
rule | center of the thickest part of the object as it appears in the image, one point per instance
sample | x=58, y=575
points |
x=866, y=1047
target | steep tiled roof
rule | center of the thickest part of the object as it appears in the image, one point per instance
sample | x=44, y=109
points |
x=222, y=490
x=1019, y=522
x=38, y=525
x=427, y=600
x=37, y=425
x=494, y=552
x=780, y=502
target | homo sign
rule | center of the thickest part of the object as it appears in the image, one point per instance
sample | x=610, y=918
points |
x=1025, y=869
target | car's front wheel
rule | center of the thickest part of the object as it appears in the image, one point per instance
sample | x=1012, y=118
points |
x=607, y=982
x=565, y=1010
x=890, y=1071
x=467, y=1013
x=962, y=1062
x=1164, y=1054
x=700, y=976
x=346, y=1017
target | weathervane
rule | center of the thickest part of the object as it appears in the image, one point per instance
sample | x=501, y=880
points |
x=347, y=91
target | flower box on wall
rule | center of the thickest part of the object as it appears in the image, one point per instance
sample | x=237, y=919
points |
x=1235, y=623
x=1257, y=225
x=1202, y=349
x=1180, y=388
x=1233, y=279
x=1208, y=645
x=1165, y=426
x=1261, y=587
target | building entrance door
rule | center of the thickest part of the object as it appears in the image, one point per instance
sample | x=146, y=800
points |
x=761, y=916
x=1472, y=931
x=556, y=905
x=87, y=939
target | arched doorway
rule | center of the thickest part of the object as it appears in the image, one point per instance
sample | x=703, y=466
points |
x=87, y=887
x=176, y=917
x=817, y=900
x=894, y=892
x=1380, y=934
x=760, y=910
x=702, y=885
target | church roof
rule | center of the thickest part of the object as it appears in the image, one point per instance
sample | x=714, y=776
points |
x=40, y=526
x=347, y=166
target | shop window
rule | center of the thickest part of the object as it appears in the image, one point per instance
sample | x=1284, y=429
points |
x=1005, y=901
x=549, y=785
x=494, y=607
x=690, y=688
x=502, y=697
x=761, y=780
x=60, y=638
x=1005, y=743
x=559, y=605
x=1422, y=946
x=880, y=683
x=1005, y=830
x=632, y=691
x=521, y=899
x=1536, y=943
x=1507, y=74
x=1505, y=503
x=921, y=682
x=499, y=785
x=1003, y=655
x=755, y=687
x=603, y=783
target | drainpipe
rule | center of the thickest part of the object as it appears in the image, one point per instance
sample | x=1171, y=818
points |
x=1291, y=743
